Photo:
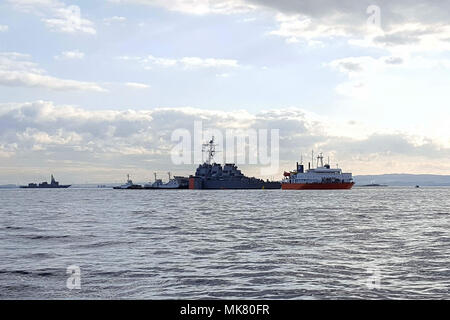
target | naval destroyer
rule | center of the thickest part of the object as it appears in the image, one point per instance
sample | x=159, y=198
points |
x=53, y=184
x=211, y=175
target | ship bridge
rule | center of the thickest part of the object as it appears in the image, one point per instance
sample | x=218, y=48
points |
x=325, y=169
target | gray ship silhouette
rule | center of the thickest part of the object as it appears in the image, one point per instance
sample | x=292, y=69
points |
x=53, y=184
x=211, y=175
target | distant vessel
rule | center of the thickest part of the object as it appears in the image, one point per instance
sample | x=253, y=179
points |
x=211, y=175
x=373, y=184
x=322, y=177
x=176, y=182
x=129, y=185
x=8, y=186
x=45, y=184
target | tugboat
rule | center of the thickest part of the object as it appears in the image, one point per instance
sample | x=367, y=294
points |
x=322, y=177
x=211, y=175
x=53, y=184
x=128, y=185
x=174, y=183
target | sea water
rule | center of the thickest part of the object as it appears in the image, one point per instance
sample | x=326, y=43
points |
x=374, y=243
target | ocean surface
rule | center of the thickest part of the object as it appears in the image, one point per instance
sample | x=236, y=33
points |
x=364, y=243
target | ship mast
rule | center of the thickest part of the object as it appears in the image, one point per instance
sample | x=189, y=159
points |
x=210, y=148
x=320, y=158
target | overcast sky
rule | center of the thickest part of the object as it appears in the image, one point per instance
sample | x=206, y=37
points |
x=91, y=90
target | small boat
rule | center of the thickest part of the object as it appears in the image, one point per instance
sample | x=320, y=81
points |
x=128, y=185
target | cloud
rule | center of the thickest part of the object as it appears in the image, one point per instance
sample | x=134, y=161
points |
x=3, y=28
x=356, y=65
x=410, y=25
x=114, y=19
x=186, y=62
x=208, y=63
x=368, y=75
x=105, y=144
x=196, y=7
x=57, y=15
x=17, y=70
x=164, y=62
x=223, y=75
x=408, y=38
x=76, y=54
x=388, y=144
x=137, y=85
x=393, y=60
x=299, y=26
x=347, y=65
x=69, y=20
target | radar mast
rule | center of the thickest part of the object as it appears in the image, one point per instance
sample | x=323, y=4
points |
x=210, y=149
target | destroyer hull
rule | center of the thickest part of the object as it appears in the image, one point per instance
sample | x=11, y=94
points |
x=46, y=187
x=165, y=188
x=317, y=186
x=230, y=184
x=239, y=186
x=136, y=187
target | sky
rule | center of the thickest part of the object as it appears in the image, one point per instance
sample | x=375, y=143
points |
x=92, y=90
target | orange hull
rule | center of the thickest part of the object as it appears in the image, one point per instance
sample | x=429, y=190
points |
x=317, y=186
x=191, y=183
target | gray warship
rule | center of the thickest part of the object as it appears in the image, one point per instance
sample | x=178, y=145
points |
x=177, y=182
x=211, y=175
x=53, y=184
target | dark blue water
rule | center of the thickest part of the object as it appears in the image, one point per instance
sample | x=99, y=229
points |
x=361, y=243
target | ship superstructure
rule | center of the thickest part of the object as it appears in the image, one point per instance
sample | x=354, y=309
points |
x=128, y=185
x=177, y=182
x=321, y=177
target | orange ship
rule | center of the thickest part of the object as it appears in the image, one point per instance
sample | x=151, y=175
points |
x=323, y=177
